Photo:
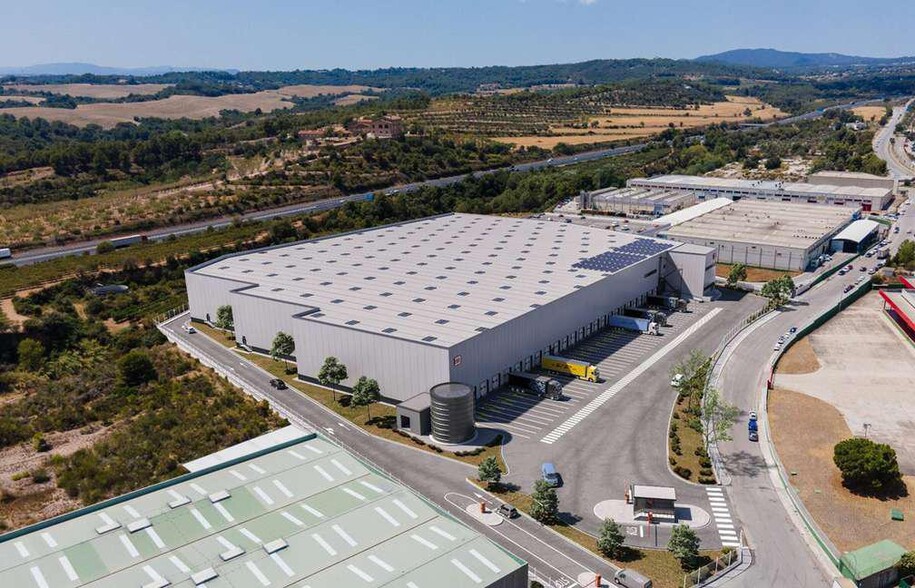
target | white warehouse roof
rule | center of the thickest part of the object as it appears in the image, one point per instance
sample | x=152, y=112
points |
x=699, y=183
x=857, y=231
x=686, y=214
x=439, y=280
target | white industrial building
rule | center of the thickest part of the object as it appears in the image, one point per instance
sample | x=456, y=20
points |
x=636, y=201
x=704, y=188
x=453, y=298
x=844, y=178
x=761, y=233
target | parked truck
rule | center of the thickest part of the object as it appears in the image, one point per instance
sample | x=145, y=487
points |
x=632, y=323
x=572, y=367
x=668, y=302
x=119, y=242
x=538, y=384
x=651, y=314
x=883, y=253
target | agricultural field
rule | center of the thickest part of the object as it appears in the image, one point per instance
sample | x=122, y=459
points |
x=110, y=114
x=312, y=91
x=102, y=91
x=29, y=99
x=351, y=99
x=633, y=122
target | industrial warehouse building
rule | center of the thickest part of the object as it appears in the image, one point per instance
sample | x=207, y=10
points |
x=762, y=233
x=453, y=298
x=636, y=201
x=866, y=198
x=301, y=512
x=844, y=178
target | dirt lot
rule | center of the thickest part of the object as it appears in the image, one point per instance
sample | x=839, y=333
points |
x=634, y=122
x=27, y=501
x=805, y=430
x=799, y=359
x=867, y=372
x=754, y=274
x=870, y=113
x=353, y=99
x=91, y=90
x=108, y=114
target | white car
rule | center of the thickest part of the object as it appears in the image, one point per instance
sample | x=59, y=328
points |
x=677, y=380
x=777, y=347
x=188, y=329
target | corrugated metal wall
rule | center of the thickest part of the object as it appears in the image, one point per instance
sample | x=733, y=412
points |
x=402, y=368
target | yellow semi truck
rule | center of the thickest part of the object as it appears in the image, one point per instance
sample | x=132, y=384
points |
x=580, y=369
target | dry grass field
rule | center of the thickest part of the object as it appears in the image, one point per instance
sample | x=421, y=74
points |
x=30, y=99
x=91, y=90
x=799, y=359
x=637, y=122
x=805, y=430
x=869, y=113
x=755, y=274
x=310, y=91
x=351, y=99
x=109, y=115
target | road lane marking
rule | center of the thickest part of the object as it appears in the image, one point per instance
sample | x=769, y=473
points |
x=612, y=391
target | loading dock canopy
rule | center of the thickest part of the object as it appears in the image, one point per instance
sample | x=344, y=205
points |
x=857, y=231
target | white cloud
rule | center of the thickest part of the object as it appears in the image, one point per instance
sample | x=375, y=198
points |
x=587, y=2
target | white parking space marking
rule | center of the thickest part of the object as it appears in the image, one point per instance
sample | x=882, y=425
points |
x=182, y=567
x=39, y=577
x=257, y=573
x=613, y=390
x=68, y=568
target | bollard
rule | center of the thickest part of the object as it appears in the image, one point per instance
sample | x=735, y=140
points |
x=482, y=507
x=597, y=580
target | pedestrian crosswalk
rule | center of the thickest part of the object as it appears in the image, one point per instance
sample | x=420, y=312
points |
x=727, y=531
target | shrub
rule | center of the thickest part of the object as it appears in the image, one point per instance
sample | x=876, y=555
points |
x=40, y=476
x=683, y=472
x=136, y=368
x=705, y=472
x=906, y=565
x=40, y=444
x=672, y=460
x=867, y=465
x=706, y=480
x=705, y=462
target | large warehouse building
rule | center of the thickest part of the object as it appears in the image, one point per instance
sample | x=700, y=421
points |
x=763, y=233
x=453, y=298
x=299, y=513
x=866, y=198
x=636, y=201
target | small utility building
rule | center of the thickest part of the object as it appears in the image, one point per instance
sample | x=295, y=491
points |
x=660, y=501
x=872, y=566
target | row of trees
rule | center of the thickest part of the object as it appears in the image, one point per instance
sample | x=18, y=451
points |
x=365, y=391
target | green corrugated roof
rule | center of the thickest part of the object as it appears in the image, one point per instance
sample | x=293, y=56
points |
x=341, y=524
x=872, y=559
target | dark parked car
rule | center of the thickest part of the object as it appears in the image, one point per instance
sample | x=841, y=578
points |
x=278, y=384
x=507, y=511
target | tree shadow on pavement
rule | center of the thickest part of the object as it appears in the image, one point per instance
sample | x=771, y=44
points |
x=744, y=463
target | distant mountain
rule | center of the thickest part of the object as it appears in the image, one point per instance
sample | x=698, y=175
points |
x=77, y=69
x=773, y=58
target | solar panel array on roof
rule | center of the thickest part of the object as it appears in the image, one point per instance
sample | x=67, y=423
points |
x=610, y=261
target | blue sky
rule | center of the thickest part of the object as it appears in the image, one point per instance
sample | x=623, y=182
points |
x=290, y=34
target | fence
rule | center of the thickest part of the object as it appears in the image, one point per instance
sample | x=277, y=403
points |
x=721, y=563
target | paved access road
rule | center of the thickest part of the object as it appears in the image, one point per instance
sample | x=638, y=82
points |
x=898, y=164
x=439, y=479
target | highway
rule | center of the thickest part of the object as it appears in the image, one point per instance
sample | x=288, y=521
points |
x=88, y=247
x=890, y=150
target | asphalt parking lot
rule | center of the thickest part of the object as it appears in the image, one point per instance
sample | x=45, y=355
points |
x=614, y=352
x=609, y=434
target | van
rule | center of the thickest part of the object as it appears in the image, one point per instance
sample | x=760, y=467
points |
x=631, y=579
x=549, y=475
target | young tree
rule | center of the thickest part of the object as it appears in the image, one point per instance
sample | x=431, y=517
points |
x=545, y=507
x=283, y=346
x=738, y=273
x=718, y=416
x=365, y=393
x=224, y=318
x=610, y=540
x=136, y=368
x=31, y=355
x=867, y=465
x=906, y=565
x=331, y=374
x=489, y=471
x=684, y=545
x=778, y=291
x=694, y=369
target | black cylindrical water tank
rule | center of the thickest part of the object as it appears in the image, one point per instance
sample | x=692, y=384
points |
x=451, y=412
